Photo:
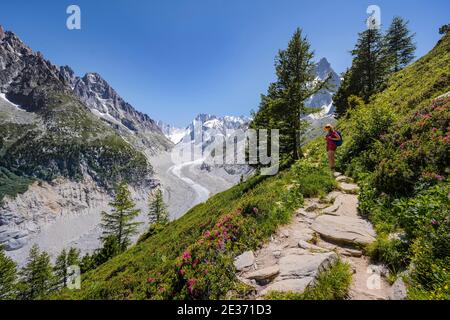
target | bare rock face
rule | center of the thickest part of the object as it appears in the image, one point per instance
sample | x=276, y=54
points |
x=42, y=203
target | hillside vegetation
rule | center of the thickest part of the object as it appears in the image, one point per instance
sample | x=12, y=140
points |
x=398, y=147
x=192, y=257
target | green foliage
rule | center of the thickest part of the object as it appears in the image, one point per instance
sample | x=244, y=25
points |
x=192, y=258
x=12, y=184
x=157, y=209
x=63, y=262
x=399, y=45
x=375, y=59
x=36, y=278
x=119, y=223
x=8, y=277
x=398, y=147
x=331, y=284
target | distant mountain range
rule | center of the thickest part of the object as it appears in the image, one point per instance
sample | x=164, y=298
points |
x=65, y=142
x=210, y=125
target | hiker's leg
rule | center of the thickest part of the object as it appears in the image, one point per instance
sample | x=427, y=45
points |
x=331, y=159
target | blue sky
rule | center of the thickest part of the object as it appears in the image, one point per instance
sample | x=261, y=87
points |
x=173, y=59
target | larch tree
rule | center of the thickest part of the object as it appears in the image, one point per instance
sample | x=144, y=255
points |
x=119, y=224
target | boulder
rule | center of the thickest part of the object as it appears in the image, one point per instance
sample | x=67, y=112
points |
x=308, y=246
x=245, y=260
x=289, y=285
x=348, y=187
x=344, y=229
x=306, y=265
x=264, y=274
x=399, y=291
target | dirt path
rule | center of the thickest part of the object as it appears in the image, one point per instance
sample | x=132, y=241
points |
x=321, y=232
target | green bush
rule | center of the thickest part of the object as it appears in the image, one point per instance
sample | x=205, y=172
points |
x=331, y=284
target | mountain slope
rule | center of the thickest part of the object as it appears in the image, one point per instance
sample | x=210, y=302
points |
x=192, y=257
x=58, y=157
x=398, y=147
x=70, y=139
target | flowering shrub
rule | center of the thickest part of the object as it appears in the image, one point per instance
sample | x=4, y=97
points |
x=418, y=148
x=205, y=269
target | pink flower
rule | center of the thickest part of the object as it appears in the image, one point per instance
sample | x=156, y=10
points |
x=195, y=263
x=151, y=280
x=182, y=272
x=255, y=210
x=186, y=255
x=207, y=234
x=191, y=283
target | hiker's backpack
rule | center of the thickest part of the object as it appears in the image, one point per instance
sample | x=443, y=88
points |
x=339, y=142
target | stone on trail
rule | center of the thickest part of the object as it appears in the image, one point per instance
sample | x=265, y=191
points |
x=308, y=246
x=307, y=265
x=289, y=285
x=245, y=260
x=337, y=174
x=399, y=291
x=264, y=274
x=348, y=187
x=344, y=229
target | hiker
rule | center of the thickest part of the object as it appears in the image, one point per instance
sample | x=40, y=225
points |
x=332, y=138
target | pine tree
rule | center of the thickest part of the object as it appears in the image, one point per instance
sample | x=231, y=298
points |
x=36, y=278
x=284, y=105
x=368, y=72
x=399, y=44
x=63, y=262
x=157, y=209
x=119, y=223
x=369, y=63
x=60, y=269
x=444, y=29
x=8, y=277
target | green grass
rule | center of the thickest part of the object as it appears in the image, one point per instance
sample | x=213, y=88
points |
x=11, y=184
x=159, y=256
x=331, y=284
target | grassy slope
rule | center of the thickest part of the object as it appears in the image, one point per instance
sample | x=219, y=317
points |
x=151, y=269
x=398, y=148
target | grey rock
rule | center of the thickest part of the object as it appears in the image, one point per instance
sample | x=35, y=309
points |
x=245, y=260
x=344, y=229
x=307, y=265
x=399, y=291
x=264, y=274
x=288, y=285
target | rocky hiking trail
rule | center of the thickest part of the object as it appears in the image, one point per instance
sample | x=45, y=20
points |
x=320, y=233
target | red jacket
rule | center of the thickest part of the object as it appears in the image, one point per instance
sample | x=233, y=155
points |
x=331, y=145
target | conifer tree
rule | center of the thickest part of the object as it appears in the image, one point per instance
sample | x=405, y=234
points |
x=36, y=278
x=368, y=72
x=119, y=223
x=63, y=262
x=369, y=63
x=399, y=44
x=284, y=105
x=157, y=209
x=8, y=277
